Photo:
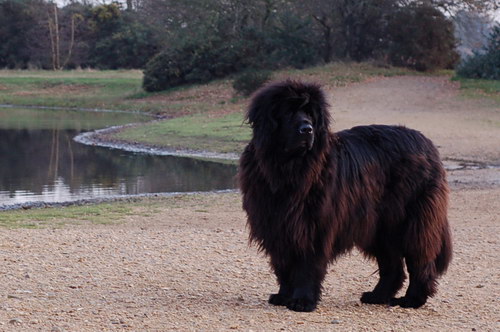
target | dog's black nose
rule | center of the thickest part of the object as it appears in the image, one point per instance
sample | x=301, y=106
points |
x=306, y=129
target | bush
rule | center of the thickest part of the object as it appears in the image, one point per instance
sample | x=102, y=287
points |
x=249, y=81
x=208, y=56
x=484, y=64
x=421, y=38
x=196, y=61
x=129, y=47
x=291, y=44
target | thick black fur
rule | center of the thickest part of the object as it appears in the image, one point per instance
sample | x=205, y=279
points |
x=312, y=195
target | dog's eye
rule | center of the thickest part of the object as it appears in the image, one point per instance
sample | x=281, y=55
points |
x=309, y=111
x=287, y=117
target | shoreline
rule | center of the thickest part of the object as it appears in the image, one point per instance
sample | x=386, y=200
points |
x=79, y=109
x=108, y=199
x=98, y=138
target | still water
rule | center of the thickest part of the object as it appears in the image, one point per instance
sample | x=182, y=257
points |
x=39, y=161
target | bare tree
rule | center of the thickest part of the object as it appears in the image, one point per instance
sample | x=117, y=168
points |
x=53, y=21
x=55, y=37
x=325, y=14
x=75, y=20
x=344, y=24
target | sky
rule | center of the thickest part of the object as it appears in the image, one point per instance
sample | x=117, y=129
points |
x=495, y=15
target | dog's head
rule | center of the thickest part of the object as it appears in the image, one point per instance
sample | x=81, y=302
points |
x=288, y=117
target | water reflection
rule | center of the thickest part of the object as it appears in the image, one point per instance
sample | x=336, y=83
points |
x=47, y=165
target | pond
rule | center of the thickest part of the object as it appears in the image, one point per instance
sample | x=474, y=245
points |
x=40, y=161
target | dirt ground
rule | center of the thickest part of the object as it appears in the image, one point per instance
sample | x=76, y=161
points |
x=186, y=266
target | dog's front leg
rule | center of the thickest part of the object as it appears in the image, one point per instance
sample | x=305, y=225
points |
x=306, y=278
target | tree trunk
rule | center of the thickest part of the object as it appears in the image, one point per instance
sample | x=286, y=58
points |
x=54, y=39
x=327, y=57
x=72, y=41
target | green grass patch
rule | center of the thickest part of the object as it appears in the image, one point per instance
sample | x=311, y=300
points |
x=479, y=88
x=224, y=134
x=86, y=89
x=107, y=213
x=133, y=74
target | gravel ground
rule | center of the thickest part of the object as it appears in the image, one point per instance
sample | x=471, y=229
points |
x=186, y=265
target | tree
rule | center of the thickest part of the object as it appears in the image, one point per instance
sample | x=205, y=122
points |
x=118, y=39
x=236, y=35
x=16, y=25
x=421, y=37
x=471, y=30
x=55, y=39
x=355, y=27
x=485, y=64
x=274, y=33
x=324, y=14
x=363, y=26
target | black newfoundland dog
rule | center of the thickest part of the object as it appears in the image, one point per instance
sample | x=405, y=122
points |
x=312, y=195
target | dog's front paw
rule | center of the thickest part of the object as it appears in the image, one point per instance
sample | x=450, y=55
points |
x=302, y=305
x=374, y=298
x=278, y=299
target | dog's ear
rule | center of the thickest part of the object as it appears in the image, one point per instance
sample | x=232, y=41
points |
x=261, y=114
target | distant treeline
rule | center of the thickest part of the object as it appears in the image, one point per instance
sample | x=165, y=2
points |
x=197, y=40
x=38, y=34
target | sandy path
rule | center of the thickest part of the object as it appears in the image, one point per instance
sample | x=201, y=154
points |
x=462, y=128
x=186, y=266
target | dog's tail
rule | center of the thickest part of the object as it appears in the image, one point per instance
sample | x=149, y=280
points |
x=443, y=258
x=428, y=238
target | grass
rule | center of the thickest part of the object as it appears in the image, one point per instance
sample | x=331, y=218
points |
x=57, y=217
x=78, y=88
x=479, y=88
x=103, y=213
x=226, y=133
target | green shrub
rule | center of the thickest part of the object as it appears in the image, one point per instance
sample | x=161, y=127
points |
x=249, y=81
x=207, y=56
x=196, y=61
x=485, y=64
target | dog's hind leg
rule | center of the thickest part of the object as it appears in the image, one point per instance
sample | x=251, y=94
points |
x=392, y=276
x=423, y=284
x=427, y=245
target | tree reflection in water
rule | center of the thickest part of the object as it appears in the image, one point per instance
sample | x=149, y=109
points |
x=47, y=165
